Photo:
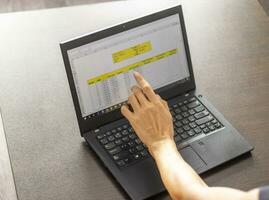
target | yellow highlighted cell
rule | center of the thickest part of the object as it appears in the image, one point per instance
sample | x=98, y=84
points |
x=131, y=52
x=132, y=66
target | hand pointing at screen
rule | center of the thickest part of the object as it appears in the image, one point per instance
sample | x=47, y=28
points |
x=153, y=124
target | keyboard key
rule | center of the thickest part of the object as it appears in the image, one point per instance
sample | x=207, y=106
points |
x=202, y=126
x=206, y=130
x=191, y=99
x=131, y=144
x=197, y=130
x=119, y=128
x=185, y=114
x=124, y=132
x=204, y=120
x=193, y=125
x=100, y=136
x=127, y=160
x=111, y=138
x=191, y=118
x=118, y=135
x=139, y=147
x=132, y=136
x=178, y=139
x=114, y=131
x=214, y=121
x=185, y=121
x=183, y=108
x=132, y=150
x=217, y=125
x=114, y=151
x=201, y=114
x=191, y=133
x=123, y=154
x=144, y=153
x=110, y=145
x=124, y=146
x=192, y=112
x=186, y=127
x=177, y=111
x=125, y=139
x=199, y=109
x=121, y=163
x=118, y=142
x=193, y=104
x=138, y=141
x=178, y=117
x=130, y=130
x=208, y=124
x=178, y=124
x=184, y=136
x=136, y=156
x=212, y=128
x=179, y=130
x=116, y=157
x=104, y=141
x=108, y=133
x=125, y=126
x=175, y=106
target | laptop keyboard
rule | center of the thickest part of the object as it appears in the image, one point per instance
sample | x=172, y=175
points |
x=190, y=118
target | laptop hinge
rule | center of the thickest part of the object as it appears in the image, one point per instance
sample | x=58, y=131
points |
x=186, y=94
x=96, y=131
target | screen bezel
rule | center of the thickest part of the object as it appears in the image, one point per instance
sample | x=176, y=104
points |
x=166, y=92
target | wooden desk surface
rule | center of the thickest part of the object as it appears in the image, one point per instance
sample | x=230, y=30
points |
x=229, y=44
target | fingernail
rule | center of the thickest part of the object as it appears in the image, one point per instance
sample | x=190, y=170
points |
x=136, y=73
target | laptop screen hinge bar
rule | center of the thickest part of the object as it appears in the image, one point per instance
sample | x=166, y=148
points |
x=95, y=131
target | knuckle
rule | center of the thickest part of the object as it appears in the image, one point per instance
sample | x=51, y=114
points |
x=146, y=88
x=146, y=108
x=157, y=103
x=136, y=92
x=150, y=107
x=130, y=98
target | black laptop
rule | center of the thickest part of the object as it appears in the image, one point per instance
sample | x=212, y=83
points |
x=100, y=69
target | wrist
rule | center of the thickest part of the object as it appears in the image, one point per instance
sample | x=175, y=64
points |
x=160, y=146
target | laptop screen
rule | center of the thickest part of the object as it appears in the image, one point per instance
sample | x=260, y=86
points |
x=103, y=70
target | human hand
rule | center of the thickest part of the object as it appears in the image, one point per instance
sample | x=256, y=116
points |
x=150, y=118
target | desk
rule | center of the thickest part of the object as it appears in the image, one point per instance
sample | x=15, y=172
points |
x=229, y=44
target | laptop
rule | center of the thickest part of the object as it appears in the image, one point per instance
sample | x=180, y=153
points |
x=100, y=69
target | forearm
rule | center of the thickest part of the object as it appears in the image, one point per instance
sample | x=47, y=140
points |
x=178, y=177
x=183, y=183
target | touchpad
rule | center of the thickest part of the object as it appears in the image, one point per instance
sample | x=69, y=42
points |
x=219, y=147
x=191, y=157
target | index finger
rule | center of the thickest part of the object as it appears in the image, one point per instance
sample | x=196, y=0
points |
x=145, y=86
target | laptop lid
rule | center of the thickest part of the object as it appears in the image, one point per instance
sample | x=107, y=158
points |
x=100, y=65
